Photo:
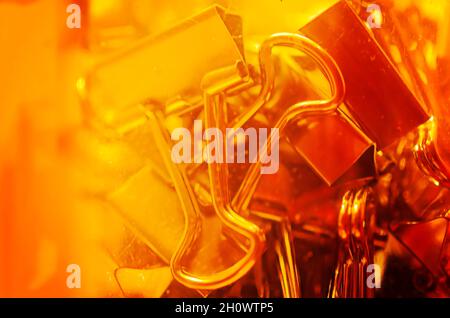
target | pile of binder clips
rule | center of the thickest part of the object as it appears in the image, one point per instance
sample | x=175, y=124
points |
x=359, y=205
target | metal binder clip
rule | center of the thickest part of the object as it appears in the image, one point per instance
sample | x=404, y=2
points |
x=214, y=112
x=160, y=68
x=233, y=222
x=376, y=96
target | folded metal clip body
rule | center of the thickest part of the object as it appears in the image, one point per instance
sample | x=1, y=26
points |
x=161, y=68
x=376, y=96
x=334, y=136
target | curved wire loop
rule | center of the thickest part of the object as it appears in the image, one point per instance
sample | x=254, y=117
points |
x=214, y=103
x=297, y=111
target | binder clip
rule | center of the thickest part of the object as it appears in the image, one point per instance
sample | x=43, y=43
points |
x=152, y=70
x=215, y=95
x=194, y=273
x=304, y=109
x=376, y=97
x=130, y=97
x=306, y=80
x=339, y=136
